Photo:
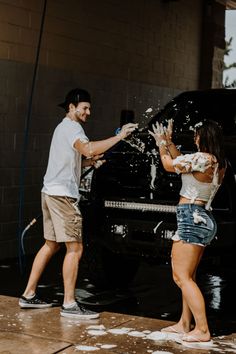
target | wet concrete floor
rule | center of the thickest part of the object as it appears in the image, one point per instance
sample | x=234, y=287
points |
x=44, y=331
x=130, y=318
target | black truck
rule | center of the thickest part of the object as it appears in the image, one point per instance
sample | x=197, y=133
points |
x=130, y=212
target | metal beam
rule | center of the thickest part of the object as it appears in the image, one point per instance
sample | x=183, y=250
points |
x=231, y=4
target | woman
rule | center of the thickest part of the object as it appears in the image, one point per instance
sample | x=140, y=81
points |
x=201, y=173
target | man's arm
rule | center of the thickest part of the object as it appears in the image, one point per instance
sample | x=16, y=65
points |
x=92, y=148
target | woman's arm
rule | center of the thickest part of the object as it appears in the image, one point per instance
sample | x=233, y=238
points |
x=167, y=149
x=174, y=152
x=166, y=158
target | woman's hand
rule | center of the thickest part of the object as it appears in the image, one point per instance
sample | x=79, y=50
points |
x=162, y=134
x=159, y=134
x=169, y=131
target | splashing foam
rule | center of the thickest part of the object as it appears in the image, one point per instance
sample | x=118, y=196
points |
x=123, y=330
x=199, y=345
x=86, y=348
x=153, y=174
x=108, y=346
x=96, y=332
x=161, y=352
x=157, y=336
x=136, y=143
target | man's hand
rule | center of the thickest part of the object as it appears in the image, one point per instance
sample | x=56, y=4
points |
x=127, y=129
x=95, y=161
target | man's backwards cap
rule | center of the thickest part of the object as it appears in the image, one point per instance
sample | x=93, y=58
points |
x=75, y=96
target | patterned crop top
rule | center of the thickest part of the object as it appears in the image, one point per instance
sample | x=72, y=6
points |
x=192, y=188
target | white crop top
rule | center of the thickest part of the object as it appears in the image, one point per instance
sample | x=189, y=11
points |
x=192, y=188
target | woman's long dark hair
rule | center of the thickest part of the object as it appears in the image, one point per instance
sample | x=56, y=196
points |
x=211, y=140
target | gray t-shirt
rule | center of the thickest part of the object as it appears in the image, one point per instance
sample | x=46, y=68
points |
x=63, y=173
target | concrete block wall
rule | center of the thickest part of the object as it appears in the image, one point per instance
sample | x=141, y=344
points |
x=131, y=54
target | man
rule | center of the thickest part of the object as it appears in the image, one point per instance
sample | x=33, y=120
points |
x=60, y=194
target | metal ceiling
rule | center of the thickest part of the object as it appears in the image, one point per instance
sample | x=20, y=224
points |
x=231, y=4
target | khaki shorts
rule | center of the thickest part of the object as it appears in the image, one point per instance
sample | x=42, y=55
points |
x=62, y=220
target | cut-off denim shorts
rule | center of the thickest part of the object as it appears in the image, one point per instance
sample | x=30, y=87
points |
x=195, y=225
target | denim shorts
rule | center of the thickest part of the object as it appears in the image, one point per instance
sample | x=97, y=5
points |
x=195, y=225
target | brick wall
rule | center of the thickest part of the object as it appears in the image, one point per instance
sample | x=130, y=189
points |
x=131, y=54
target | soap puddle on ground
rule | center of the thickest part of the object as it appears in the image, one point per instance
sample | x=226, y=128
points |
x=216, y=345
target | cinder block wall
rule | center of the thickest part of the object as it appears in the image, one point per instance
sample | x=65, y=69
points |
x=131, y=54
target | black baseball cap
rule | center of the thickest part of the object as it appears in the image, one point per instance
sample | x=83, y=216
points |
x=75, y=96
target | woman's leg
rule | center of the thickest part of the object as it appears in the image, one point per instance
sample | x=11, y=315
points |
x=184, y=323
x=185, y=259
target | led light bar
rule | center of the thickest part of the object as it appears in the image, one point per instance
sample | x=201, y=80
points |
x=139, y=206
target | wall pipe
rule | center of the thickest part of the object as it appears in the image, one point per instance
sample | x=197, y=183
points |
x=26, y=140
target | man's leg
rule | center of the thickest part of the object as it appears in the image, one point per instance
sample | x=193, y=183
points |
x=70, y=270
x=41, y=260
x=71, y=308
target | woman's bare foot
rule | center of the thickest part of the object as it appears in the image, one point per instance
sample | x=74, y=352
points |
x=197, y=336
x=176, y=328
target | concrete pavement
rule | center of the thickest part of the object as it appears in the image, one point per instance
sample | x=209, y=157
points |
x=34, y=331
